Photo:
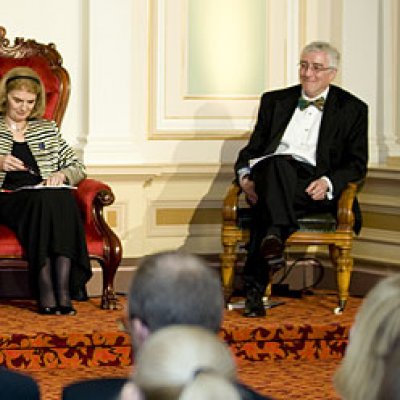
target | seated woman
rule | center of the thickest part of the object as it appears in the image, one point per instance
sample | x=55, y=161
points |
x=183, y=362
x=35, y=164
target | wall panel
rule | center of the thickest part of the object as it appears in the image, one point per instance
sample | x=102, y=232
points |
x=206, y=80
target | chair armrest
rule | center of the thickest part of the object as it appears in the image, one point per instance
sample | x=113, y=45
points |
x=345, y=215
x=231, y=202
x=92, y=196
x=103, y=244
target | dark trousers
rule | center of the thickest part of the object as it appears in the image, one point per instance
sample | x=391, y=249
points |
x=280, y=183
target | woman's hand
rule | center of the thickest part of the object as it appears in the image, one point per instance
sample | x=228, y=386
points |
x=56, y=179
x=10, y=163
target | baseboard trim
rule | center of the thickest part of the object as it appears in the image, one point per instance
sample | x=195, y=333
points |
x=366, y=273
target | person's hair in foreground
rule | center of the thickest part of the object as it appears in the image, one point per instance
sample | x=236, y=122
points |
x=390, y=387
x=374, y=336
x=185, y=362
x=172, y=287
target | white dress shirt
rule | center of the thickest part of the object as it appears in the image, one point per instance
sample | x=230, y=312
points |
x=301, y=135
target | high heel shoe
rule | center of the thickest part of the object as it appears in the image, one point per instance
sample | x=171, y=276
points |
x=49, y=310
x=67, y=310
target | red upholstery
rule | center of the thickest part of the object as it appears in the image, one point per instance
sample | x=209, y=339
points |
x=92, y=196
x=9, y=244
x=86, y=195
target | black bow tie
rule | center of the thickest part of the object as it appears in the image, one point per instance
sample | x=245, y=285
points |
x=319, y=103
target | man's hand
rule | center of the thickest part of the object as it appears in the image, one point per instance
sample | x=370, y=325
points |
x=317, y=189
x=247, y=186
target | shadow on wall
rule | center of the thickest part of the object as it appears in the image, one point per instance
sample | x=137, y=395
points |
x=204, y=227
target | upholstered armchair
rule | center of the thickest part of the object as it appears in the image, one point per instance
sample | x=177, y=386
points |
x=316, y=229
x=92, y=196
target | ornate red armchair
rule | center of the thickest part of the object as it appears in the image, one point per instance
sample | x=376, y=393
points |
x=92, y=196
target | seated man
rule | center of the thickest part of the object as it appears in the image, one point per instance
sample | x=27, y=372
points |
x=309, y=141
x=169, y=288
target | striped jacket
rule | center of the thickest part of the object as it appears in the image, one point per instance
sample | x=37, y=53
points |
x=49, y=149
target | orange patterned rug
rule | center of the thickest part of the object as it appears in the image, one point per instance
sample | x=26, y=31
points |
x=291, y=353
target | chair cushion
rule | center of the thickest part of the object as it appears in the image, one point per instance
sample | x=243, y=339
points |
x=9, y=244
x=323, y=222
x=41, y=66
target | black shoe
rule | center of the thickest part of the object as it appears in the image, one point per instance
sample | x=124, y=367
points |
x=272, y=247
x=49, y=310
x=254, y=306
x=80, y=294
x=67, y=310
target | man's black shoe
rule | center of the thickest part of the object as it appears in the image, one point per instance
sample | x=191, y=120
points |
x=254, y=306
x=80, y=294
x=272, y=247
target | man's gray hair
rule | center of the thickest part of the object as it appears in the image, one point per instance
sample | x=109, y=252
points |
x=172, y=287
x=332, y=52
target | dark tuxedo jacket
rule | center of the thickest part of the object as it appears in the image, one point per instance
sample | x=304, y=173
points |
x=342, y=148
x=109, y=389
x=17, y=386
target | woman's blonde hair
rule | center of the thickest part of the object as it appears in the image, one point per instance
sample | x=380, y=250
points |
x=23, y=78
x=185, y=363
x=372, y=338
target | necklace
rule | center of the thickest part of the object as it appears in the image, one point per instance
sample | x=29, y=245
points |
x=15, y=128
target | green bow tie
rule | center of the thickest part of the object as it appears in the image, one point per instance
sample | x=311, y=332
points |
x=319, y=103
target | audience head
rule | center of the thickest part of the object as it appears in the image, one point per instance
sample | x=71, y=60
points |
x=390, y=386
x=374, y=336
x=185, y=363
x=171, y=288
x=23, y=78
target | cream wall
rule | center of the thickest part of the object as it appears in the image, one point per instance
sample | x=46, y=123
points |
x=168, y=151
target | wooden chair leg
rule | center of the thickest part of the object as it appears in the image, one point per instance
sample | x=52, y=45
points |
x=268, y=290
x=109, y=299
x=334, y=254
x=344, y=266
x=228, y=263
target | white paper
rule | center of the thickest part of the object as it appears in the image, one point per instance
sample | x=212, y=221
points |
x=41, y=186
x=254, y=161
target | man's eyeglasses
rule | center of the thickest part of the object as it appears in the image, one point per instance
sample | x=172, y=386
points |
x=314, y=67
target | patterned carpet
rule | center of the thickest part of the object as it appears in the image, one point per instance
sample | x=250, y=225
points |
x=292, y=353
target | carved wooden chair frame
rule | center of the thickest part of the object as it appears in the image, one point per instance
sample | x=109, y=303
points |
x=338, y=240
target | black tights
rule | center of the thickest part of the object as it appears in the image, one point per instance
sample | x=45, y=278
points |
x=54, y=282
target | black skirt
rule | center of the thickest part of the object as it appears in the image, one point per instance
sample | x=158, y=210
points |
x=48, y=223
